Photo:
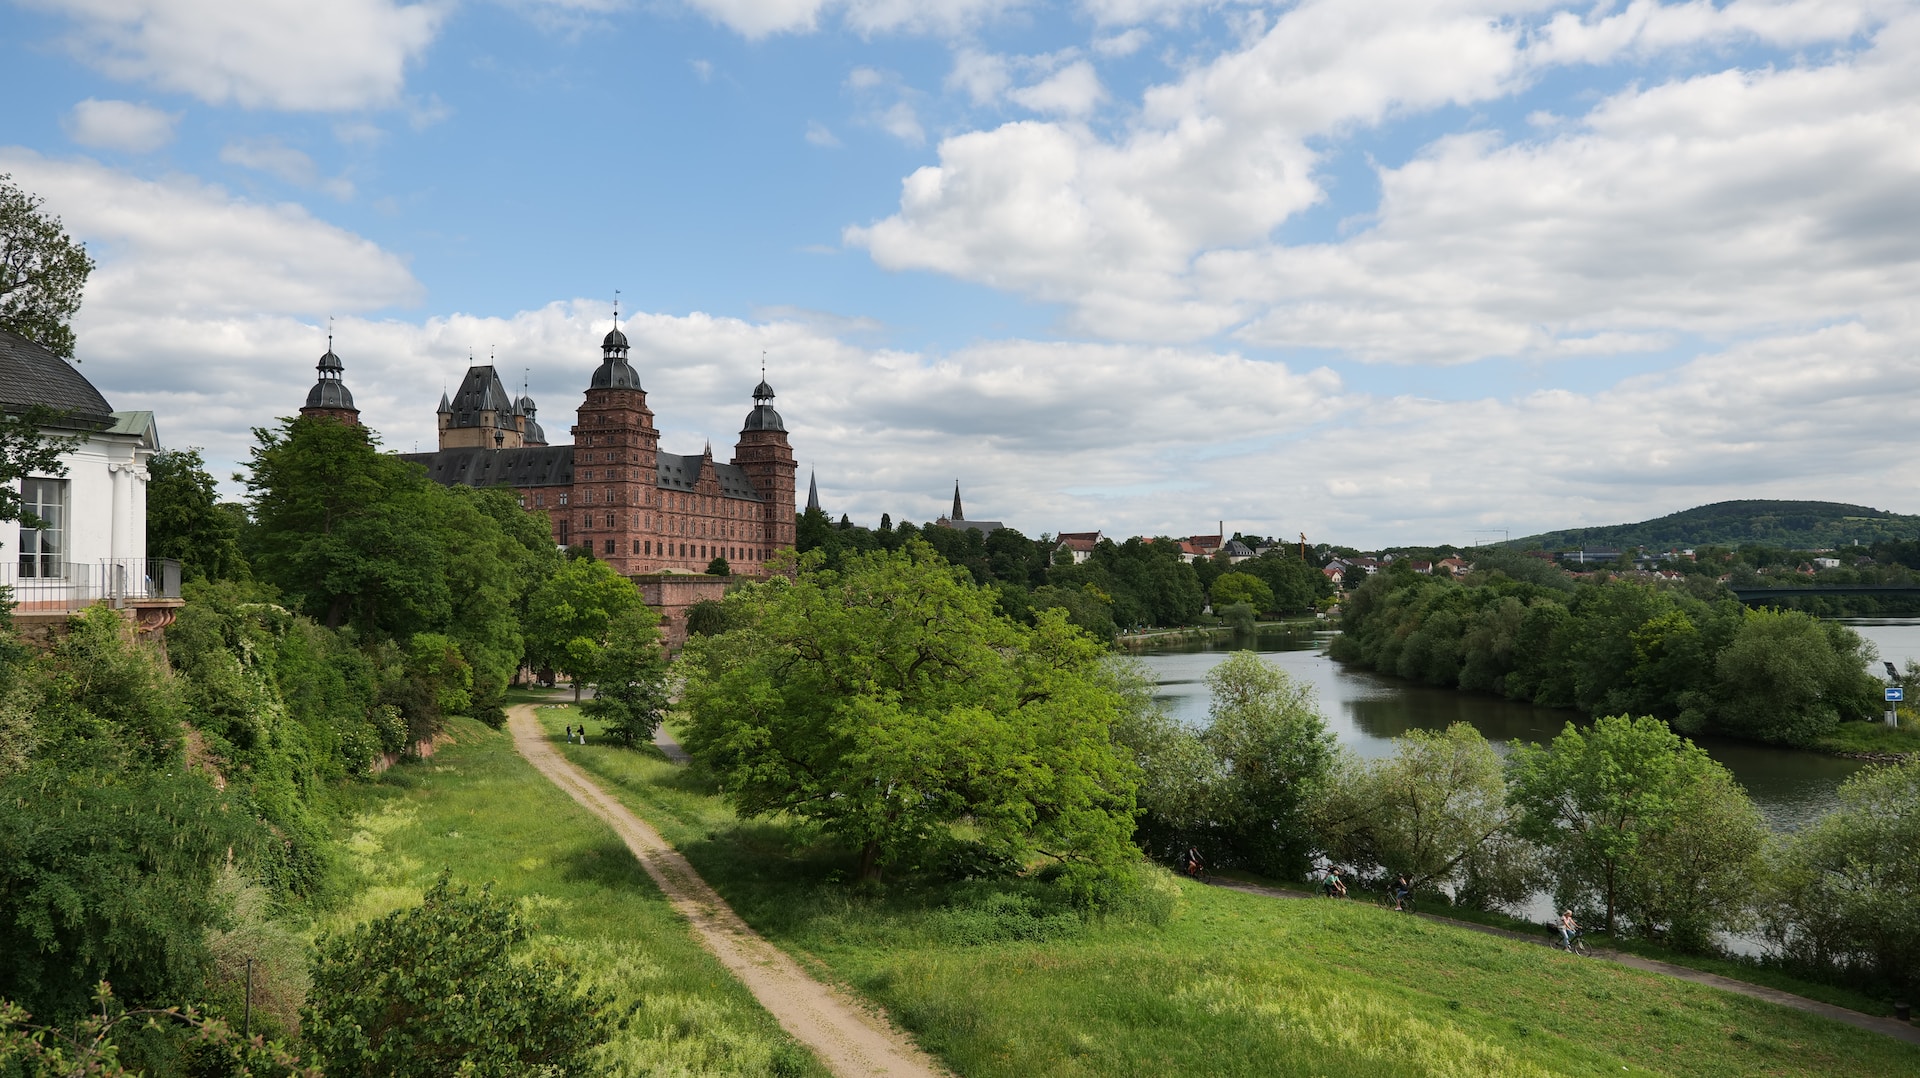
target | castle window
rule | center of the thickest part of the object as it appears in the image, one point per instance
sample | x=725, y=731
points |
x=609, y=546
x=563, y=497
x=609, y=521
x=539, y=501
x=636, y=546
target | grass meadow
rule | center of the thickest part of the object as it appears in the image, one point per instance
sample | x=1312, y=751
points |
x=478, y=808
x=996, y=981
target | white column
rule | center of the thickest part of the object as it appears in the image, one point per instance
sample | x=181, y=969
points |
x=122, y=508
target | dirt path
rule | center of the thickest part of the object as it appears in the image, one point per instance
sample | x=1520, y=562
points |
x=1874, y=1023
x=849, y=1039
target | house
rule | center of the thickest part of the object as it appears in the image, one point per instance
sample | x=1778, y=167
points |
x=1337, y=574
x=1079, y=544
x=1237, y=551
x=88, y=541
x=1424, y=568
x=1454, y=566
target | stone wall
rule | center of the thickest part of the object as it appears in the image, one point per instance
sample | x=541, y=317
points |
x=670, y=594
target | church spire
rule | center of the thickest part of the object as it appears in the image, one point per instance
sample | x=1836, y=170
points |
x=957, y=514
x=813, y=492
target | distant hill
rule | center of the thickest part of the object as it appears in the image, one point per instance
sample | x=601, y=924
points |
x=1796, y=525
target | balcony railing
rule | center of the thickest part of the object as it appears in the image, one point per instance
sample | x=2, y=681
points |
x=38, y=583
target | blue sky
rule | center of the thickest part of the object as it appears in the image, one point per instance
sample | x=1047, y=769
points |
x=1394, y=272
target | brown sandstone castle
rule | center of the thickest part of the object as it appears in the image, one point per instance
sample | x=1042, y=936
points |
x=641, y=510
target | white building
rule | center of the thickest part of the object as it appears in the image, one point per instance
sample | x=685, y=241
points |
x=90, y=541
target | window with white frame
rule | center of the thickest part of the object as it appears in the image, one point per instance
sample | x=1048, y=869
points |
x=43, y=549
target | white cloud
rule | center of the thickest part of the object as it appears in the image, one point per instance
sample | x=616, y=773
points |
x=120, y=125
x=209, y=309
x=275, y=158
x=983, y=75
x=280, y=54
x=755, y=19
x=178, y=247
x=1073, y=91
x=702, y=69
x=1124, y=43
x=819, y=135
x=1729, y=200
x=902, y=122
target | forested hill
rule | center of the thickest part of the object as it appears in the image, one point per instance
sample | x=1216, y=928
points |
x=1795, y=525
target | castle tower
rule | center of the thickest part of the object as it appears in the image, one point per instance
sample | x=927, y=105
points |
x=329, y=396
x=481, y=413
x=763, y=453
x=615, y=457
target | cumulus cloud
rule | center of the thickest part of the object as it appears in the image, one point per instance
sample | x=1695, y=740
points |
x=181, y=247
x=279, y=54
x=209, y=309
x=1717, y=202
x=1073, y=91
x=120, y=125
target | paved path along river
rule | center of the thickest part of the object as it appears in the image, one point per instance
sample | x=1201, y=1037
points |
x=852, y=1041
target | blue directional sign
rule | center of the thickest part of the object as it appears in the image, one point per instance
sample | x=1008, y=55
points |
x=1895, y=694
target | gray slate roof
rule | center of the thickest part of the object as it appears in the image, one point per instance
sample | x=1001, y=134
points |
x=545, y=466
x=482, y=391
x=30, y=374
x=677, y=472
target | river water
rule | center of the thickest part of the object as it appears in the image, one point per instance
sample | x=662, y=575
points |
x=1367, y=710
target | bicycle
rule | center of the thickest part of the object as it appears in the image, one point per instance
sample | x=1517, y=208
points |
x=1577, y=945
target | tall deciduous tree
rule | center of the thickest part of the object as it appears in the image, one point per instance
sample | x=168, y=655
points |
x=1844, y=890
x=1274, y=750
x=1231, y=588
x=1436, y=809
x=185, y=520
x=889, y=700
x=571, y=618
x=630, y=682
x=1640, y=822
x=42, y=271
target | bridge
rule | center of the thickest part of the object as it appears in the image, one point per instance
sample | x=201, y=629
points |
x=1891, y=591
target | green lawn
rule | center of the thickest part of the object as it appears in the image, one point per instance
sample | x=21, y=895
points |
x=477, y=807
x=1874, y=737
x=1232, y=984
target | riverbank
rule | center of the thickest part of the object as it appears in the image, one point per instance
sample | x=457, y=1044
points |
x=996, y=980
x=1147, y=638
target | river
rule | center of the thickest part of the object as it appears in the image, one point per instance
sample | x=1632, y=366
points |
x=1367, y=710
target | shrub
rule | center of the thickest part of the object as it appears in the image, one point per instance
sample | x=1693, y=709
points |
x=435, y=990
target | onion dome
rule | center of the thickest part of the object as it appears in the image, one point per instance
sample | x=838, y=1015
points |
x=328, y=390
x=614, y=372
x=763, y=417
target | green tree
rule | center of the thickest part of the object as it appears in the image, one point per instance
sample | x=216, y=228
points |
x=42, y=271
x=571, y=615
x=1436, y=809
x=348, y=534
x=1639, y=822
x=185, y=521
x=1273, y=750
x=630, y=683
x=1789, y=678
x=718, y=567
x=1231, y=588
x=1844, y=890
x=436, y=990
x=889, y=700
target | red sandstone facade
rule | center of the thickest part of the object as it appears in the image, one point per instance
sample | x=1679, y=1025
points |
x=640, y=509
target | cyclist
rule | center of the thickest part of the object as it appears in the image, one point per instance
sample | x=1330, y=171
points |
x=1192, y=863
x=1332, y=885
x=1402, y=892
x=1569, y=928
